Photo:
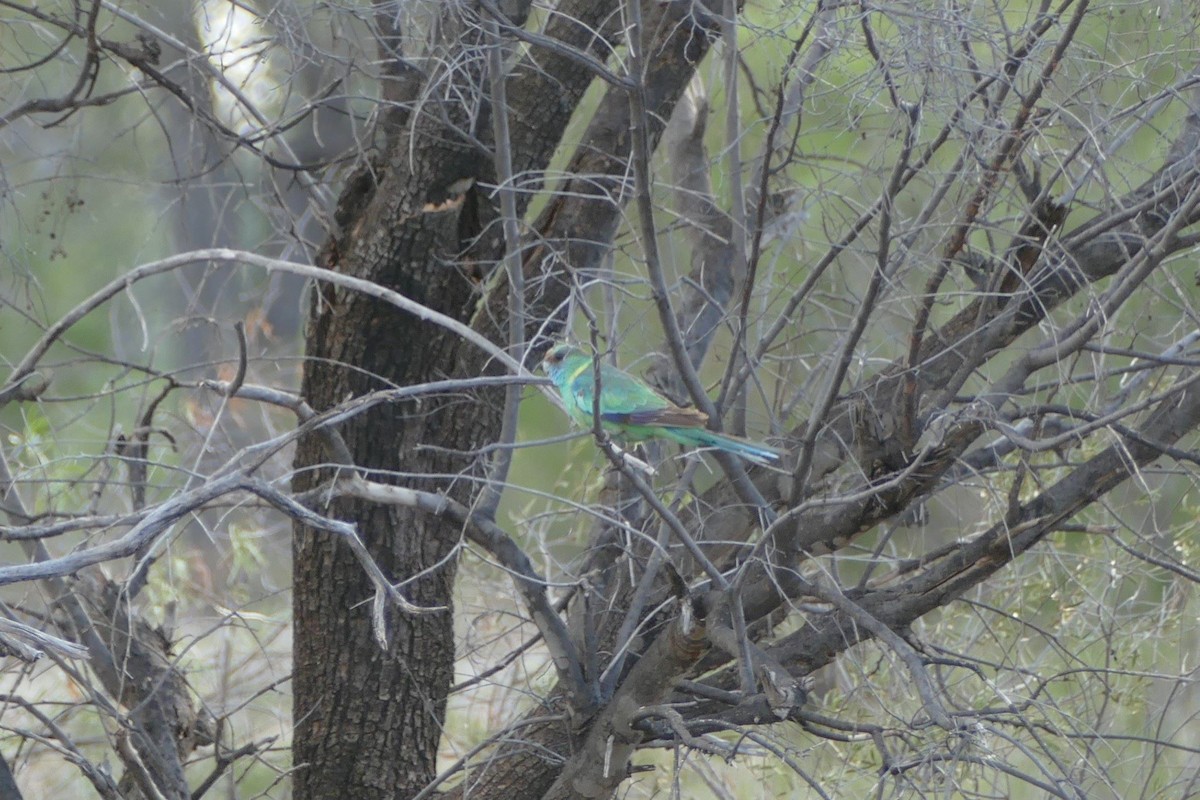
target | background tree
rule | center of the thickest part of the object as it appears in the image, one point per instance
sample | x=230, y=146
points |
x=934, y=252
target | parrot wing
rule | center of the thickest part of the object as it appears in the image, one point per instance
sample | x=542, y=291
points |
x=672, y=417
x=624, y=399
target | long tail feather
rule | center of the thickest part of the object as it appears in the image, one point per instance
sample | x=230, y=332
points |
x=751, y=451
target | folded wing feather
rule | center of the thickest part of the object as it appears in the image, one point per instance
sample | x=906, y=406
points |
x=671, y=417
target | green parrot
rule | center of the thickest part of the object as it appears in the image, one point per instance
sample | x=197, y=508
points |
x=631, y=410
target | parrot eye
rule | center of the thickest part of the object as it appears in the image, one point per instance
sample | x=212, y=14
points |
x=555, y=355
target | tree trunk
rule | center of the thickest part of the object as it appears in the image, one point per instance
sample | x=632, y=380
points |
x=368, y=722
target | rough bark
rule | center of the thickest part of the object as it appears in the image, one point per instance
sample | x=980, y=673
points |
x=368, y=721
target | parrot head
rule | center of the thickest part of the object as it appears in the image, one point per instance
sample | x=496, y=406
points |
x=555, y=358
